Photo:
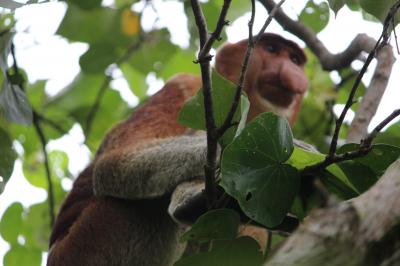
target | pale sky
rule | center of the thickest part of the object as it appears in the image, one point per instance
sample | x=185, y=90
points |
x=45, y=56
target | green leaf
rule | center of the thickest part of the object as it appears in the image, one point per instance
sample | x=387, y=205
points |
x=10, y=4
x=87, y=4
x=316, y=16
x=98, y=57
x=378, y=159
x=335, y=170
x=84, y=26
x=237, y=252
x=120, y=3
x=136, y=80
x=15, y=105
x=99, y=25
x=346, y=87
x=360, y=176
x=22, y=256
x=81, y=92
x=5, y=48
x=192, y=113
x=211, y=12
x=301, y=158
x=312, y=124
x=36, y=94
x=154, y=56
x=336, y=5
x=181, y=61
x=78, y=99
x=7, y=158
x=10, y=224
x=342, y=179
x=34, y=171
x=354, y=5
x=215, y=224
x=337, y=186
x=379, y=9
x=35, y=226
x=390, y=136
x=254, y=172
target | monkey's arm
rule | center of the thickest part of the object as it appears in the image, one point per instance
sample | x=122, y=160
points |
x=151, y=171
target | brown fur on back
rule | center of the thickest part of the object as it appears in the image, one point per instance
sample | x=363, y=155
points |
x=82, y=213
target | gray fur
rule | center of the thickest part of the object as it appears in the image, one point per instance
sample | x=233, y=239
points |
x=153, y=171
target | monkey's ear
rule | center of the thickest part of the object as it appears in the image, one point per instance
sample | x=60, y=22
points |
x=228, y=60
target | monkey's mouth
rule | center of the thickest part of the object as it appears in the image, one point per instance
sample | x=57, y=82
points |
x=276, y=94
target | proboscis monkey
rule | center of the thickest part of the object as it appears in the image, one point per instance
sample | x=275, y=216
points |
x=116, y=213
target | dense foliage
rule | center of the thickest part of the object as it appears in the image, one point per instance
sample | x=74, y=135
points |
x=259, y=163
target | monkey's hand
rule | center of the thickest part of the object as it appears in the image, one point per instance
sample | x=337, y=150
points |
x=188, y=202
x=150, y=171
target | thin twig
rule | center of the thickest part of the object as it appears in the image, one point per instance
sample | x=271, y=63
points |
x=395, y=37
x=250, y=46
x=380, y=126
x=216, y=34
x=42, y=139
x=364, y=148
x=382, y=41
x=99, y=96
x=93, y=110
x=350, y=100
x=50, y=122
x=43, y=142
x=269, y=19
x=235, y=103
x=204, y=58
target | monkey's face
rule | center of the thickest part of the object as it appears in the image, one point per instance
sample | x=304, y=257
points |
x=276, y=80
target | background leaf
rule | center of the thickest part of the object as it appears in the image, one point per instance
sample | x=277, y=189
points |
x=15, y=105
x=215, y=224
x=237, y=252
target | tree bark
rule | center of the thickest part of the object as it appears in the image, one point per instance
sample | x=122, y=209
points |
x=364, y=231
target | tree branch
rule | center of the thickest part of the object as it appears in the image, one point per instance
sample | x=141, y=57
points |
x=108, y=78
x=365, y=147
x=43, y=142
x=250, y=46
x=370, y=101
x=350, y=233
x=204, y=58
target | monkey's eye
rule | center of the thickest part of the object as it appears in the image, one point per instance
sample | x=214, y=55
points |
x=295, y=59
x=273, y=49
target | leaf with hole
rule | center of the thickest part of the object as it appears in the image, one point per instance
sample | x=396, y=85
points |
x=255, y=173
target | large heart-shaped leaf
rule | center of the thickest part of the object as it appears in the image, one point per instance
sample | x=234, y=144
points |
x=254, y=172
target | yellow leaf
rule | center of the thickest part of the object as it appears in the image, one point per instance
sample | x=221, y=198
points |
x=130, y=22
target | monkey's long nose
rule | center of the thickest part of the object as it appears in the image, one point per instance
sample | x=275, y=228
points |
x=293, y=78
